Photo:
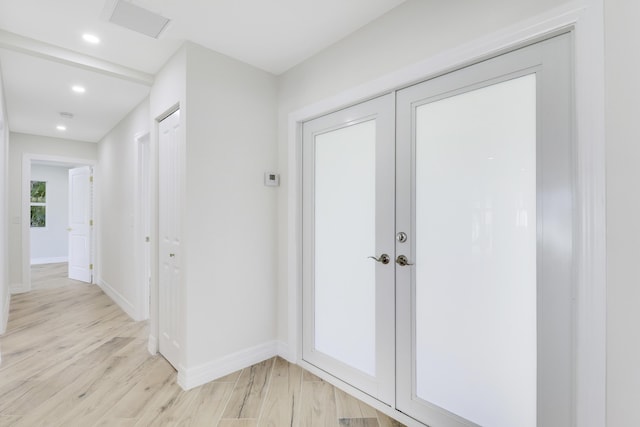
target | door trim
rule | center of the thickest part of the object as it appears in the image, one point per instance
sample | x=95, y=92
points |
x=584, y=20
x=27, y=160
x=143, y=223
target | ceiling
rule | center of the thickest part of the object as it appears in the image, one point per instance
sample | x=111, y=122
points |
x=42, y=53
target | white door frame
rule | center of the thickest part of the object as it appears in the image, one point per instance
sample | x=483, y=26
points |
x=143, y=223
x=585, y=20
x=27, y=160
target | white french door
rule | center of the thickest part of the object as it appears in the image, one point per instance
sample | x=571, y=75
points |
x=349, y=212
x=169, y=206
x=471, y=198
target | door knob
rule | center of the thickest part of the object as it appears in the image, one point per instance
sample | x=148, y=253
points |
x=402, y=261
x=384, y=258
x=172, y=255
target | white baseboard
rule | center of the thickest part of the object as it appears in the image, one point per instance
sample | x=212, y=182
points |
x=117, y=297
x=18, y=288
x=285, y=352
x=49, y=260
x=152, y=345
x=198, y=375
x=5, y=317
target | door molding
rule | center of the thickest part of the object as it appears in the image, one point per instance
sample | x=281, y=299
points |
x=142, y=223
x=27, y=160
x=585, y=20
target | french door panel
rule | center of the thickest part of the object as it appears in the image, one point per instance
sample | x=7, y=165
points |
x=483, y=192
x=348, y=217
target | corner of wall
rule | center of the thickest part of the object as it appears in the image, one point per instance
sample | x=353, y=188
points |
x=285, y=352
x=18, y=288
x=117, y=297
x=189, y=378
x=152, y=345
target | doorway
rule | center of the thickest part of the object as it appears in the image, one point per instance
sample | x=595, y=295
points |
x=61, y=201
x=465, y=217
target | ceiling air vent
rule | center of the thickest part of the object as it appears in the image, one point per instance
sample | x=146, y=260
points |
x=135, y=18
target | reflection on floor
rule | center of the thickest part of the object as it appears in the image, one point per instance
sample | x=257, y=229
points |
x=71, y=357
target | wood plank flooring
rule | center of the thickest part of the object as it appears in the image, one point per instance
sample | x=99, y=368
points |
x=46, y=276
x=71, y=357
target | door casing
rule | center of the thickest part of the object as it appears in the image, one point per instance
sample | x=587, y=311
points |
x=27, y=159
x=585, y=22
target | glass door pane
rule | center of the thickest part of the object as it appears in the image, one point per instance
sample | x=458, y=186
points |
x=475, y=253
x=348, y=220
x=345, y=230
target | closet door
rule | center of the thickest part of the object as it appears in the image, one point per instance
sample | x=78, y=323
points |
x=348, y=229
x=170, y=203
x=484, y=195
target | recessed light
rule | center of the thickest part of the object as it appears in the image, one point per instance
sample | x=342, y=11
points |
x=90, y=38
x=78, y=89
x=61, y=127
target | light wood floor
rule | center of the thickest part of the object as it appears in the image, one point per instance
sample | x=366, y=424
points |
x=47, y=276
x=71, y=357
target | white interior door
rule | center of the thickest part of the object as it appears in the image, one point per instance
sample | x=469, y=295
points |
x=170, y=263
x=484, y=193
x=80, y=224
x=348, y=215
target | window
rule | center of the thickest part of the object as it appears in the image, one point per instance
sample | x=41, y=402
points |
x=38, y=204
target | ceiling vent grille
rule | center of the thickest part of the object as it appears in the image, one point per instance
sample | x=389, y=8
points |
x=136, y=18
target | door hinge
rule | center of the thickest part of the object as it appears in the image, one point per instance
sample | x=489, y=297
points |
x=90, y=266
x=91, y=222
x=91, y=178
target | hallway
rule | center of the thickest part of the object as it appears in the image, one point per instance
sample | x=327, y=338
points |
x=72, y=357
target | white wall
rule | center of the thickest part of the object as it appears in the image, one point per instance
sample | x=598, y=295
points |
x=4, y=229
x=228, y=122
x=229, y=214
x=116, y=181
x=414, y=31
x=50, y=243
x=622, y=67
x=21, y=144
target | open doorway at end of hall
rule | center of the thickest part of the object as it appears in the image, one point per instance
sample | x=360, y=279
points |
x=58, y=234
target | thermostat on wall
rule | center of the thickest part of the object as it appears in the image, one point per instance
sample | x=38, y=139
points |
x=271, y=179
